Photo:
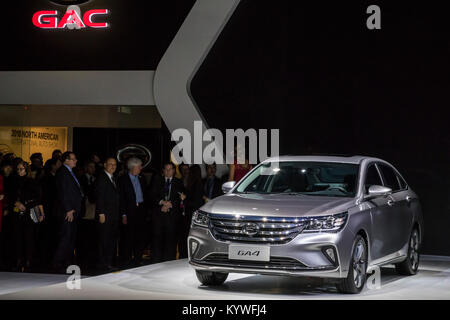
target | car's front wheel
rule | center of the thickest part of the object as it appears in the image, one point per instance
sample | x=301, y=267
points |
x=409, y=266
x=209, y=278
x=357, y=273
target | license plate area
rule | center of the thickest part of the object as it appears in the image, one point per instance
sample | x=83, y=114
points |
x=248, y=252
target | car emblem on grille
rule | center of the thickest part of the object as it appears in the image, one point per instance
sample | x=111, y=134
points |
x=250, y=229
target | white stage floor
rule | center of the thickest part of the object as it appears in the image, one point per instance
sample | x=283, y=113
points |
x=177, y=280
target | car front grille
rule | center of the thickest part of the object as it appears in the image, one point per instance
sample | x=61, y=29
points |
x=278, y=263
x=256, y=230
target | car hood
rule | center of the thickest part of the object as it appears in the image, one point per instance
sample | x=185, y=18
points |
x=277, y=205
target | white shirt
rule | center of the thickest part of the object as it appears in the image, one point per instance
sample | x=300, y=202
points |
x=110, y=177
x=89, y=177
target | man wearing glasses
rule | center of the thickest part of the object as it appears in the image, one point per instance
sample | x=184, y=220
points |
x=69, y=195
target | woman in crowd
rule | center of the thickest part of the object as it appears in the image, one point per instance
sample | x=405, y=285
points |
x=6, y=170
x=192, y=200
x=48, y=229
x=2, y=199
x=25, y=201
x=239, y=170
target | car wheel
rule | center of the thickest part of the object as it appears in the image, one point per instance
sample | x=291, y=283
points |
x=209, y=278
x=357, y=273
x=409, y=266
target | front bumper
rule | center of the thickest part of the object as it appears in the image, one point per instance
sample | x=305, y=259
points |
x=303, y=256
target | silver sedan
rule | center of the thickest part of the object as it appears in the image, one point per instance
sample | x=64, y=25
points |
x=330, y=217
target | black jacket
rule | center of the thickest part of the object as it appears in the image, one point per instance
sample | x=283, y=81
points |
x=49, y=195
x=158, y=194
x=127, y=195
x=194, y=197
x=216, y=189
x=88, y=187
x=26, y=190
x=69, y=192
x=107, y=198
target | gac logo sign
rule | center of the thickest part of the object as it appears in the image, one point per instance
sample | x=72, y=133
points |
x=72, y=19
x=68, y=2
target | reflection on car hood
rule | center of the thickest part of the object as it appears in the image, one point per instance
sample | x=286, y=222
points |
x=281, y=205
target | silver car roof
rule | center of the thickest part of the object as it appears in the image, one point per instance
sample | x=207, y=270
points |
x=339, y=159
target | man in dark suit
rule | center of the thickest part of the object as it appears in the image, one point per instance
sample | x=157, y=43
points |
x=166, y=213
x=211, y=184
x=133, y=212
x=87, y=226
x=107, y=214
x=69, y=207
x=87, y=181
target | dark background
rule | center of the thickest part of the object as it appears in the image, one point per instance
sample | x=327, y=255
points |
x=140, y=32
x=314, y=70
x=311, y=69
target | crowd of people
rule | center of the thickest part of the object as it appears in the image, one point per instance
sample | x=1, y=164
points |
x=102, y=216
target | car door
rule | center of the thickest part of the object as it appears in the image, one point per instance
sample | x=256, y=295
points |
x=400, y=215
x=381, y=229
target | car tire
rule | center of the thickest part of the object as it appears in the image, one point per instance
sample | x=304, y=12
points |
x=209, y=278
x=357, y=272
x=410, y=265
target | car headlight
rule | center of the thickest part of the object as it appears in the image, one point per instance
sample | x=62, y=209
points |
x=200, y=219
x=331, y=223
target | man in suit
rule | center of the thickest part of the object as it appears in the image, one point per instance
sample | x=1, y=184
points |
x=133, y=213
x=211, y=184
x=107, y=214
x=87, y=227
x=69, y=208
x=166, y=213
x=87, y=181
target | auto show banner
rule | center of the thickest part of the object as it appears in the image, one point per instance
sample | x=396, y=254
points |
x=24, y=141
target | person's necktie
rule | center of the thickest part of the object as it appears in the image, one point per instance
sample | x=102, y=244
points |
x=209, y=188
x=76, y=180
x=73, y=175
x=167, y=188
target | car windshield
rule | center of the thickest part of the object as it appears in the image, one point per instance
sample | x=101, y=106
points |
x=299, y=177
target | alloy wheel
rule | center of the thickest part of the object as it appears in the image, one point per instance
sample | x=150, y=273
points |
x=414, y=250
x=359, y=263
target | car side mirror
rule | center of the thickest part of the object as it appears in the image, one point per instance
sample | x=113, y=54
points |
x=378, y=191
x=227, y=186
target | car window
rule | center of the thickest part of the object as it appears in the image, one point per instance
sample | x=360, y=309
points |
x=390, y=177
x=312, y=178
x=402, y=182
x=372, y=178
